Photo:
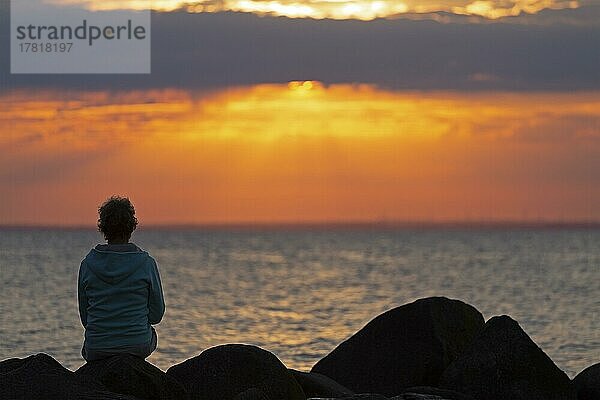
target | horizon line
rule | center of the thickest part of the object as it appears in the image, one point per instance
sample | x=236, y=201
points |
x=336, y=225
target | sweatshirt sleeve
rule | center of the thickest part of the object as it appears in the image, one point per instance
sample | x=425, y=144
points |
x=156, y=302
x=81, y=296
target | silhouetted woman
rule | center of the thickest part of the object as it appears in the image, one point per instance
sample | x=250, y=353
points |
x=119, y=290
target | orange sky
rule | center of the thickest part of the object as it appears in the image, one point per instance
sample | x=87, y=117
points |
x=299, y=152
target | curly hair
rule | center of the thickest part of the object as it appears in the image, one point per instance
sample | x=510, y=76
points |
x=117, y=218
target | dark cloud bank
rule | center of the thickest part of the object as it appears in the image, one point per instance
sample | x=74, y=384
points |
x=206, y=51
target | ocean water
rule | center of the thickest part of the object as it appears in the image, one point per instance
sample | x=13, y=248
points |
x=299, y=293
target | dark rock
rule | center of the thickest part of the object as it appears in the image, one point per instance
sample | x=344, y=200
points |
x=14, y=363
x=504, y=363
x=130, y=375
x=251, y=394
x=418, y=396
x=587, y=383
x=441, y=393
x=224, y=372
x=363, y=396
x=407, y=346
x=317, y=385
x=41, y=377
x=404, y=396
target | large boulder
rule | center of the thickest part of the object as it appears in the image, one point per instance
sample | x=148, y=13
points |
x=41, y=377
x=504, y=363
x=224, y=372
x=407, y=346
x=587, y=383
x=317, y=385
x=130, y=375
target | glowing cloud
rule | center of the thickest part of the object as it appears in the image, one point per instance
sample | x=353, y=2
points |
x=339, y=9
x=300, y=151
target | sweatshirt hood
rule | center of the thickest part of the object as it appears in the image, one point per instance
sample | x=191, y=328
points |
x=114, y=262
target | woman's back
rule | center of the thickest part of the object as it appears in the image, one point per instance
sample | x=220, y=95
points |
x=120, y=296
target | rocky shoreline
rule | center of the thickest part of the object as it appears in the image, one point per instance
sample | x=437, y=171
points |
x=432, y=349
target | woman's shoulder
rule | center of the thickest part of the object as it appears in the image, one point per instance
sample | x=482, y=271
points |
x=149, y=259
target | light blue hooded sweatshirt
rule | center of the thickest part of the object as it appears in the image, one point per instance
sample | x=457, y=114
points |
x=120, y=296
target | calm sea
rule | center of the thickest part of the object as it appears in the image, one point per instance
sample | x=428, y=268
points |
x=298, y=294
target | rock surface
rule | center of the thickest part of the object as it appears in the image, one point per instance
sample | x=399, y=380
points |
x=317, y=385
x=41, y=377
x=431, y=391
x=126, y=374
x=587, y=383
x=504, y=363
x=417, y=393
x=405, y=396
x=407, y=346
x=419, y=396
x=224, y=372
x=251, y=394
x=363, y=396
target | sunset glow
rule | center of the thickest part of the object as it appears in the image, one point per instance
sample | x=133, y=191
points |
x=301, y=151
x=345, y=9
